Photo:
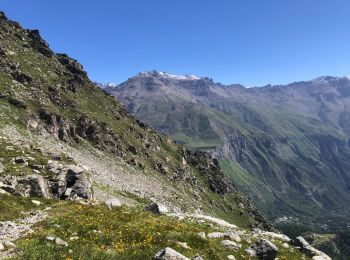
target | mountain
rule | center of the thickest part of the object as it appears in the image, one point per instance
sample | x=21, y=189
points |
x=43, y=93
x=80, y=178
x=287, y=147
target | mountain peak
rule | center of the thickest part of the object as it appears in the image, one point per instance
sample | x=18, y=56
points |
x=162, y=74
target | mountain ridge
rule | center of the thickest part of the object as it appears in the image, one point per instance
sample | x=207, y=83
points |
x=312, y=120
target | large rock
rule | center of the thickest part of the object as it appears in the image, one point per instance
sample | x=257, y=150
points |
x=319, y=258
x=34, y=186
x=27, y=186
x=169, y=254
x=71, y=182
x=79, y=182
x=263, y=249
x=309, y=250
x=157, y=208
x=113, y=202
x=20, y=159
x=233, y=236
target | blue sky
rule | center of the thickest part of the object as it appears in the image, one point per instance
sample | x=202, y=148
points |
x=252, y=42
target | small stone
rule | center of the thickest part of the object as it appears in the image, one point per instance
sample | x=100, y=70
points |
x=9, y=244
x=50, y=238
x=113, y=202
x=231, y=257
x=234, y=236
x=61, y=242
x=36, y=202
x=183, y=245
x=216, y=235
x=68, y=192
x=197, y=257
x=285, y=245
x=202, y=235
x=74, y=238
x=230, y=244
x=169, y=254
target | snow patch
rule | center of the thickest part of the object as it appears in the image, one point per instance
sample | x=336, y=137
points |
x=169, y=75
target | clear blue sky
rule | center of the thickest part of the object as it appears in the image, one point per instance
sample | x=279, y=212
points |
x=253, y=42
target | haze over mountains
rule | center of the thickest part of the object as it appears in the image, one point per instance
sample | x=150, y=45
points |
x=287, y=147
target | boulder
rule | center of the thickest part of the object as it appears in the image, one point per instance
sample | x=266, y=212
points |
x=2, y=248
x=169, y=254
x=156, y=208
x=8, y=184
x=319, y=258
x=233, y=236
x=82, y=185
x=20, y=160
x=308, y=249
x=71, y=182
x=263, y=249
x=33, y=186
x=113, y=202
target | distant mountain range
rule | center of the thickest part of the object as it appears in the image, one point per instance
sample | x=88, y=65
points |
x=287, y=147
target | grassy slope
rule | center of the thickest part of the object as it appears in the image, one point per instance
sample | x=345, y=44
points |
x=12, y=208
x=122, y=233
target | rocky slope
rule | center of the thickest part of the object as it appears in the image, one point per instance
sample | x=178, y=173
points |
x=64, y=139
x=285, y=146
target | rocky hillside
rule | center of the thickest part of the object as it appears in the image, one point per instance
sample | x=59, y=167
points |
x=49, y=108
x=82, y=179
x=287, y=147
